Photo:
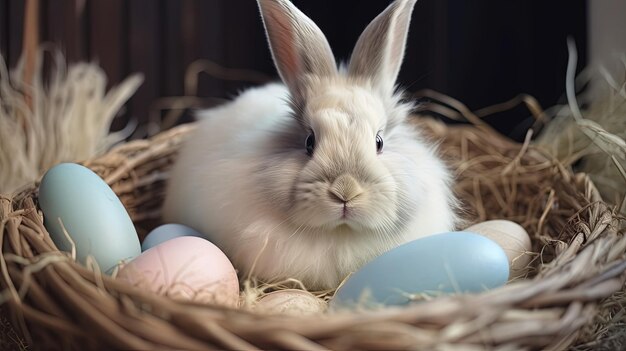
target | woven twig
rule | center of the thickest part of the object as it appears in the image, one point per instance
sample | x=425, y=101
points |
x=579, y=264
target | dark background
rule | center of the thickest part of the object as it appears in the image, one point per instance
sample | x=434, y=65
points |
x=480, y=52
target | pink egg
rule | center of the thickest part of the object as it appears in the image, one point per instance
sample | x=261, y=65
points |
x=185, y=268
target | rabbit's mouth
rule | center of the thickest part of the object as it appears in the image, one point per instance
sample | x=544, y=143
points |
x=347, y=218
x=317, y=208
x=345, y=212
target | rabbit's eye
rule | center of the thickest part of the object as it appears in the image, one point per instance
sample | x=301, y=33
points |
x=379, y=143
x=310, y=144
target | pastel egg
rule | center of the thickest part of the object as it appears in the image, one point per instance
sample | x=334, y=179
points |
x=91, y=213
x=185, y=268
x=454, y=262
x=512, y=238
x=166, y=232
x=290, y=301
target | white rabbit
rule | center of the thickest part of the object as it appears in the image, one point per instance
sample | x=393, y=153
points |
x=313, y=178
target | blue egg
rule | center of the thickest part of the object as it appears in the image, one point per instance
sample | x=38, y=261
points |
x=455, y=262
x=91, y=213
x=167, y=232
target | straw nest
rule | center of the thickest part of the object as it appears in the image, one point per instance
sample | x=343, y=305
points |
x=572, y=289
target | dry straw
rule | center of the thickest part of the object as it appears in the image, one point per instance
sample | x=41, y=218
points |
x=593, y=140
x=65, y=118
x=576, y=277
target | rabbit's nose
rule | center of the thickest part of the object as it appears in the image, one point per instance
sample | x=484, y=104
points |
x=345, y=188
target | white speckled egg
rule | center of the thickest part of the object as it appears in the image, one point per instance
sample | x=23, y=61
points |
x=92, y=214
x=185, y=268
x=513, y=239
x=290, y=301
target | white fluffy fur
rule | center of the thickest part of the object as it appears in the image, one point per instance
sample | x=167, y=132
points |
x=245, y=180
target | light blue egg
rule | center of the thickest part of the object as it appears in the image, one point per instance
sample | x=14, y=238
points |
x=92, y=214
x=455, y=262
x=167, y=232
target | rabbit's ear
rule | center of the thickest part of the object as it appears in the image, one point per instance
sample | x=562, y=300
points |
x=379, y=51
x=298, y=46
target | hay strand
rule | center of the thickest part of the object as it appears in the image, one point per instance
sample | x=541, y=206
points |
x=64, y=119
x=591, y=140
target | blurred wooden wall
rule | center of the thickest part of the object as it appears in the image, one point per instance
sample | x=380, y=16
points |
x=158, y=38
x=481, y=52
